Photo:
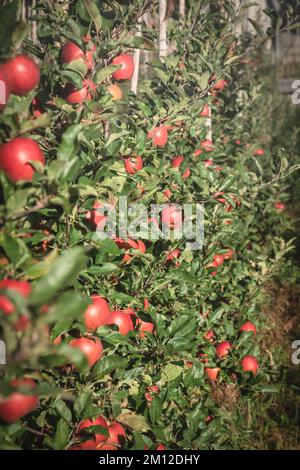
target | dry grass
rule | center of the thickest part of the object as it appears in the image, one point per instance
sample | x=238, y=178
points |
x=282, y=310
x=277, y=417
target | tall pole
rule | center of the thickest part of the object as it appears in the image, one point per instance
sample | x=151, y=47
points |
x=34, y=25
x=136, y=59
x=162, y=27
x=208, y=124
x=182, y=9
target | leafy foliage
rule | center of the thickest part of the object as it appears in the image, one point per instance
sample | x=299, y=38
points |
x=47, y=239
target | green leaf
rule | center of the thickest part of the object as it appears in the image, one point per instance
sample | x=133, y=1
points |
x=63, y=410
x=17, y=200
x=20, y=32
x=77, y=66
x=68, y=144
x=61, y=273
x=9, y=14
x=40, y=269
x=108, y=364
x=104, y=73
x=256, y=26
x=43, y=120
x=81, y=403
x=15, y=249
x=93, y=13
x=60, y=328
x=115, y=183
x=136, y=422
x=121, y=297
x=170, y=372
x=155, y=410
x=62, y=434
x=104, y=270
x=71, y=305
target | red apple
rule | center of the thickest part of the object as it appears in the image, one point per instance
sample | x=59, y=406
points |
x=126, y=244
x=203, y=357
x=22, y=287
x=218, y=198
x=259, y=152
x=205, y=111
x=15, y=157
x=106, y=446
x=222, y=349
x=117, y=433
x=173, y=255
x=167, y=193
x=142, y=246
x=144, y=327
x=159, y=136
x=17, y=405
x=57, y=340
x=97, y=439
x=77, y=96
x=6, y=306
x=126, y=69
x=129, y=243
x=171, y=216
x=209, y=162
x=207, y=145
x=220, y=85
x=123, y=322
x=186, y=174
x=153, y=388
x=209, y=336
x=219, y=260
x=22, y=73
x=212, y=373
x=97, y=314
x=279, y=206
x=248, y=326
x=250, y=364
x=161, y=447
x=129, y=311
x=91, y=348
x=213, y=265
x=133, y=164
x=70, y=52
x=95, y=217
x=176, y=162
